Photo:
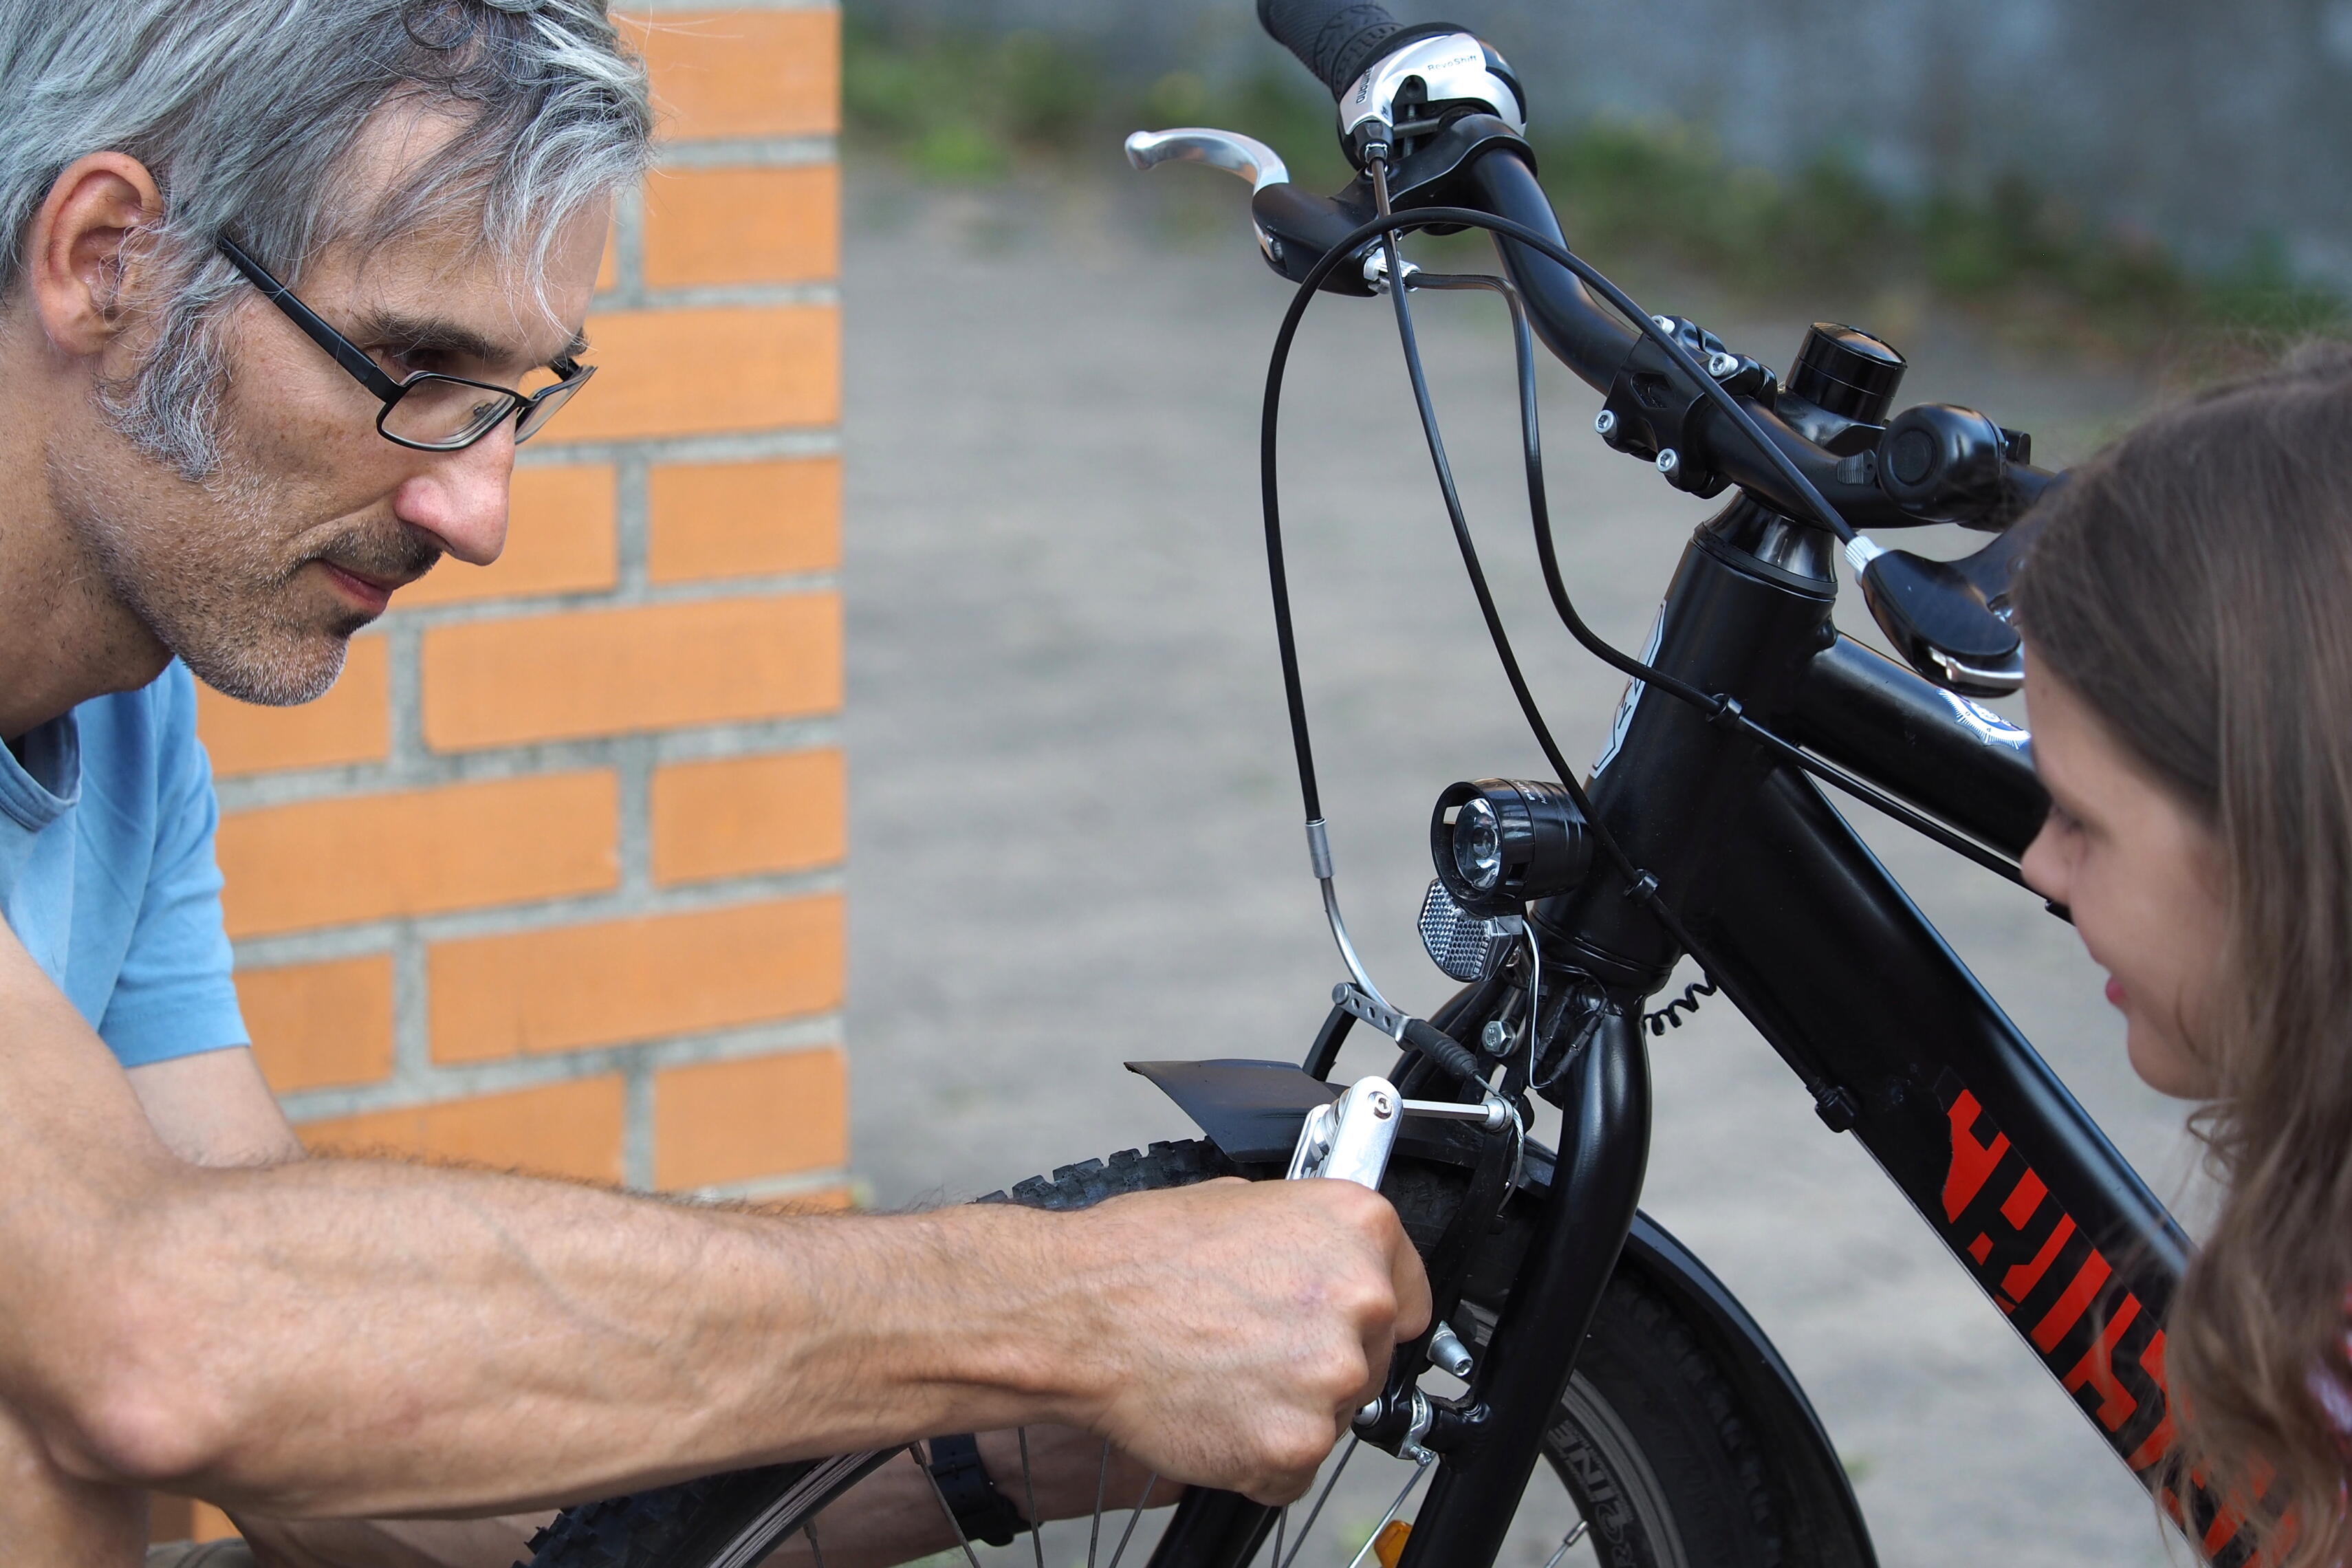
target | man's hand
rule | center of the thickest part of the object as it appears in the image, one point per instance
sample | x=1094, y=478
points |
x=1228, y=1332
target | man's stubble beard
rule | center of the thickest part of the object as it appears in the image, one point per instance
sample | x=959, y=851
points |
x=219, y=596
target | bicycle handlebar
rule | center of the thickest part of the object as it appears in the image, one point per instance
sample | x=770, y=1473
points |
x=1675, y=395
x=1570, y=321
x=1593, y=343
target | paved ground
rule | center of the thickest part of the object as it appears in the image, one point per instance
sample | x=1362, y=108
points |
x=1076, y=829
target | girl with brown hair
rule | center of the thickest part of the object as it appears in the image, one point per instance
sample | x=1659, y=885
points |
x=2188, y=615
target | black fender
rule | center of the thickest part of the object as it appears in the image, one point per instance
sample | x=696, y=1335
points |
x=1253, y=1111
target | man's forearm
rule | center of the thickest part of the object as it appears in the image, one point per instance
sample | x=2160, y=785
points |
x=442, y=1339
x=355, y=1337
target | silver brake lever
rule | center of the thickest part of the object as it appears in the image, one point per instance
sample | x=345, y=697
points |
x=1246, y=156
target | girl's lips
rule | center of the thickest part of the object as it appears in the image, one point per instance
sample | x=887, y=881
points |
x=2115, y=993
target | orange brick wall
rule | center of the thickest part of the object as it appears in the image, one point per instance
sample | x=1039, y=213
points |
x=553, y=878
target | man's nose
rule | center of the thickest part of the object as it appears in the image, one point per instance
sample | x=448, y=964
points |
x=460, y=498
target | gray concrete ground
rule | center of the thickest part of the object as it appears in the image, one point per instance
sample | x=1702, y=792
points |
x=1074, y=824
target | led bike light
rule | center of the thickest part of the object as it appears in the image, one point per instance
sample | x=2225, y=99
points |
x=1499, y=843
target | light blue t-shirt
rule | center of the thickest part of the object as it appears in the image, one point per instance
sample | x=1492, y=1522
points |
x=107, y=873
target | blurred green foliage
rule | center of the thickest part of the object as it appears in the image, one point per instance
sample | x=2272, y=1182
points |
x=963, y=107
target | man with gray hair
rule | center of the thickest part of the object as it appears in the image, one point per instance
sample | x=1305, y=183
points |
x=282, y=283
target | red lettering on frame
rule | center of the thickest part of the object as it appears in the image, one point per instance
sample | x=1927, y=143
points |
x=2071, y=1306
x=2097, y=1369
x=2018, y=1281
x=2022, y=1200
x=1972, y=1162
x=2160, y=1442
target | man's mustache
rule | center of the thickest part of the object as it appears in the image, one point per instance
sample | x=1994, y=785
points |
x=389, y=558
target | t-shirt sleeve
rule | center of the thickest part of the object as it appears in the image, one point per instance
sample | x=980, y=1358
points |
x=174, y=997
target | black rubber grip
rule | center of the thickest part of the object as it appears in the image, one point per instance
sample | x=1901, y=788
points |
x=1336, y=39
x=1445, y=1050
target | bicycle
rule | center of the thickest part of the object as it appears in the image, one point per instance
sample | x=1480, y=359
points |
x=1581, y=1334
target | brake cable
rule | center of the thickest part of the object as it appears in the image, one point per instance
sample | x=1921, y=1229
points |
x=1640, y=885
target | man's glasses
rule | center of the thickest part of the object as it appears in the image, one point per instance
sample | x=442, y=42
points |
x=429, y=412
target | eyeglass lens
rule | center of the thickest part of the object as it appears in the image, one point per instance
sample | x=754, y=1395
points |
x=442, y=411
x=549, y=400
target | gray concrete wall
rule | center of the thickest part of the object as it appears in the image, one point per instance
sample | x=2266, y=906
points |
x=2206, y=125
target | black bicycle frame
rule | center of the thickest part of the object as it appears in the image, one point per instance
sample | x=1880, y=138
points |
x=1846, y=978
x=1808, y=935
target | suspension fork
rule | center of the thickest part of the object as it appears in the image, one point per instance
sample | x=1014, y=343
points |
x=1596, y=1185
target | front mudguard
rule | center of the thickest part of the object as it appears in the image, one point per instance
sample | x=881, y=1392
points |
x=1253, y=1111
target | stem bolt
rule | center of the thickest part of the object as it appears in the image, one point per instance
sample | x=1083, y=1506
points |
x=1668, y=461
x=1605, y=421
x=1719, y=365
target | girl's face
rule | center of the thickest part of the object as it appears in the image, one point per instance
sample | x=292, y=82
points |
x=2143, y=878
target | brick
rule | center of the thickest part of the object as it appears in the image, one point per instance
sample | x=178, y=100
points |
x=743, y=73
x=316, y=1025
x=631, y=980
x=711, y=227
x=373, y=857
x=564, y=1129
x=652, y=666
x=719, y=1122
x=727, y=520
x=559, y=540
x=351, y=723
x=682, y=373
x=743, y=815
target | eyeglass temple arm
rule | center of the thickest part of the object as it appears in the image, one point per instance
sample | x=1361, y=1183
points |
x=347, y=354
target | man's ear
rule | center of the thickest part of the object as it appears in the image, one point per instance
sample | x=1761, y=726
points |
x=79, y=249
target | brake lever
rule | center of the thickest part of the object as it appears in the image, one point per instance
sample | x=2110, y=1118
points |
x=1235, y=153
x=1949, y=619
x=1295, y=228
x=1231, y=150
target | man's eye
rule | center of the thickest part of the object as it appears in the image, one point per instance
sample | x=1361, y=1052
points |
x=404, y=362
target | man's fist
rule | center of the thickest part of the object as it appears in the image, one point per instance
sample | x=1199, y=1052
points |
x=1229, y=1331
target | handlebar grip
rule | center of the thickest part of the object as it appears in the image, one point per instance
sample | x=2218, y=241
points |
x=1336, y=39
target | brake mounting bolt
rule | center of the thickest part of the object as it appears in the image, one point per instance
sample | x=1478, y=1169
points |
x=1495, y=1037
x=1668, y=461
x=1604, y=423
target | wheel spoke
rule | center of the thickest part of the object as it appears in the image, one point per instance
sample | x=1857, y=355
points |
x=1306, y=1530
x=1575, y=1534
x=1281, y=1523
x=1141, y=1504
x=816, y=1552
x=1029, y=1490
x=946, y=1508
x=1102, y=1485
x=1419, y=1470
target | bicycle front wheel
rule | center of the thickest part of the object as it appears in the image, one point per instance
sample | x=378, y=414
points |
x=1649, y=1459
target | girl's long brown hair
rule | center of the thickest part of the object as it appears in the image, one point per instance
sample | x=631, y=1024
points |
x=2193, y=585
